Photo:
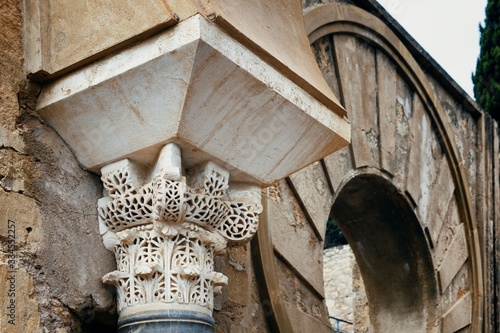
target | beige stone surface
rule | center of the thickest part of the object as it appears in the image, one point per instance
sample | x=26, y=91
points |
x=361, y=305
x=403, y=116
x=455, y=257
x=459, y=316
x=11, y=61
x=322, y=49
x=387, y=97
x=420, y=122
x=448, y=230
x=20, y=312
x=368, y=115
x=429, y=169
x=340, y=296
x=277, y=28
x=294, y=238
x=239, y=308
x=351, y=79
x=312, y=187
x=62, y=35
x=442, y=193
x=43, y=191
x=58, y=186
x=20, y=216
x=217, y=100
x=462, y=119
x=300, y=301
x=303, y=322
x=415, y=140
x=67, y=198
x=339, y=165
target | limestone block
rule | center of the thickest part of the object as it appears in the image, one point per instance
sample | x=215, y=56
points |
x=451, y=222
x=403, y=116
x=238, y=286
x=442, y=193
x=351, y=79
x=11, y=139
x=323, y=51
x=302, y=322
x=288, y=46
x=217, y=101
x=428, y=174
x=455, y=257
x=9, y=108
x=420, y=129
x=11, y=65
x=19, y=216
x=458, y=316
x=294, y=239
x=387, y=100
x=311, y=185
x=367, y=120
x=338, y=165
x=64, y=34
x=295, y=291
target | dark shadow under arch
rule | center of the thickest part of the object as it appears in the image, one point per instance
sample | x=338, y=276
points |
x=392, y=253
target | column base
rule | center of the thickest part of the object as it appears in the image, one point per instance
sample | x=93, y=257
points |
x=168, y=320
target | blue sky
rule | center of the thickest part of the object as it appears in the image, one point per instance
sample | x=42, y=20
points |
x=446, y=29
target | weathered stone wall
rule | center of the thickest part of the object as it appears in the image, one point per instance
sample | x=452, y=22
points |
x=19, y=238
x=239, y=308
x=476, y=137
x=430, y=139
x=344, y=290
x=51, y=256
x=339, y=294
x=298, y=210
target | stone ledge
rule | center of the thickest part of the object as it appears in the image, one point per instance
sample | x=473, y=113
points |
x=196, y=86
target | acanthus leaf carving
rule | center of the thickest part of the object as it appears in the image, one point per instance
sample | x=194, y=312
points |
x=165, y=229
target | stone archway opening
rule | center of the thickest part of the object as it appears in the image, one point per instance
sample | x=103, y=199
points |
x=392, y=254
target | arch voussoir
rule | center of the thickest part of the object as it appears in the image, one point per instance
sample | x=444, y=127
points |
x=401, y=133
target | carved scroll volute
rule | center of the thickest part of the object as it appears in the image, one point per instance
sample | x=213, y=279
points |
x=165, y=229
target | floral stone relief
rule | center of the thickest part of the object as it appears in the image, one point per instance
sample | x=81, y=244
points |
x=165, y=229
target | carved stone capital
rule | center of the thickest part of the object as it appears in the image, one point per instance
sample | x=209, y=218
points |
x=165, y=228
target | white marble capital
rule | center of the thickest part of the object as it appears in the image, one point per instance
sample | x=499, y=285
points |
x=165, y=228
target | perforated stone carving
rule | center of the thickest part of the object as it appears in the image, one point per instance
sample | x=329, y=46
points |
x=166, y=228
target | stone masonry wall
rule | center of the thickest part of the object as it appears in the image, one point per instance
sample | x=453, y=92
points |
x=344, y=290
x=337, y=272
x=51, y=254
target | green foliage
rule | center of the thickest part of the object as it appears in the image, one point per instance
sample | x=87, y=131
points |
x=334, y=236
x=487, y=77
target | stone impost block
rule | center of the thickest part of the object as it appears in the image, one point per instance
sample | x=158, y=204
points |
x=62, y=35
x=196, y=86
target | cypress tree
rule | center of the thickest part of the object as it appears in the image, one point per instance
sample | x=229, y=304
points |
x=487, y=76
